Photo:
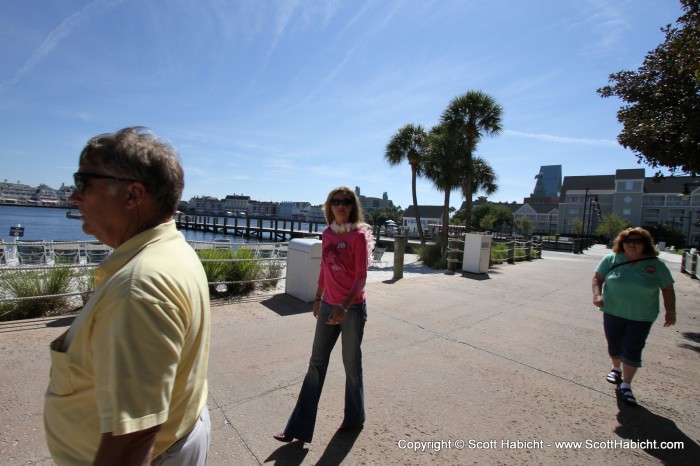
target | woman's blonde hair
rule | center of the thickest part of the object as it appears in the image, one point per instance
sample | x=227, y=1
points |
x=648, y=241
x=356, y=215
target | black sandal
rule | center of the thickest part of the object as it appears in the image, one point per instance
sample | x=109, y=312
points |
x=627, y=396
x=614, y=377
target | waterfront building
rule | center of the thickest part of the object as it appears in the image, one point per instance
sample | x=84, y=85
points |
x=15, y=193
x=206, y=205
x=24, y=194
x=315, y=213
x=293, y=210
x=235, y=205
x=262, y=209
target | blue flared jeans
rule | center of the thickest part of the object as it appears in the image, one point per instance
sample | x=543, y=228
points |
x=301, y=422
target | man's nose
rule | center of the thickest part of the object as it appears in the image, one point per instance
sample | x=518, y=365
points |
x=74, y=197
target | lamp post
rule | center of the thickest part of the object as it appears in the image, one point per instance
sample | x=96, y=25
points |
x=585, y=204
x=690, y=224
x=594, y=204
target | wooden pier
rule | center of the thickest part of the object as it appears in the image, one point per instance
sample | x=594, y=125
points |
x=261, y=228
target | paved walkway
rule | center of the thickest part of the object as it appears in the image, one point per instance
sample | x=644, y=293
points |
x=466, y=369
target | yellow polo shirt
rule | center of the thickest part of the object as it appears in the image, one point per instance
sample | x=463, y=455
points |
x=136, y=356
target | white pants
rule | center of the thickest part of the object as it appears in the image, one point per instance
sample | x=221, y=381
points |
x=190, y=450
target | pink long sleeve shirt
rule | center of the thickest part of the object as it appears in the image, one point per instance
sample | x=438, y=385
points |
x=343, y=266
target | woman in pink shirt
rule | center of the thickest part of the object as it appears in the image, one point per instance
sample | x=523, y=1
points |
x=340, y=310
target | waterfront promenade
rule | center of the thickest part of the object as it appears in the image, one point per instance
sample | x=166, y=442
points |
x=509, y=363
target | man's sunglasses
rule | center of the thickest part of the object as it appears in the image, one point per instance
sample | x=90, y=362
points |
x=345, y=202
x=633, y=240
x=80, y=179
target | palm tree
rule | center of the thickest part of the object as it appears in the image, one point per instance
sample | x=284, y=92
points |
x=408, y=143
x=470, y=117
x=443, y=167
x=483, y=179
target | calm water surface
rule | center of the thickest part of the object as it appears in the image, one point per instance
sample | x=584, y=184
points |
x=48, y=224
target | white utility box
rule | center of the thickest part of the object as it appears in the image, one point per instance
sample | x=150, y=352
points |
x=477, y=253
x=303, y=266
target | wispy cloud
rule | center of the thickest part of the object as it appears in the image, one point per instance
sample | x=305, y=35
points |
x=605, y=24
x=54, y=38
x=562, y=139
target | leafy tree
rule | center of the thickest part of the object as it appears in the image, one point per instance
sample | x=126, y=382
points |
x=501, y=215
x=488, y=222
x=469, y=117
x=661, y=121
x=611, y=225
x=457, y=218
x=669, y=234
x=524, y=225
x=408, y=144
x=380, y=216
x=576, y=225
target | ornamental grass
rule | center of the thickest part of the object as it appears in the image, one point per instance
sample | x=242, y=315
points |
x=28, y=293
x=238, y=272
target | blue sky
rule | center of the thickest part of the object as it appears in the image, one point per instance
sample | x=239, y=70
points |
x=284, y=100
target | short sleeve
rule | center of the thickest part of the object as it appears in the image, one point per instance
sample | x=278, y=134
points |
x=605, y=264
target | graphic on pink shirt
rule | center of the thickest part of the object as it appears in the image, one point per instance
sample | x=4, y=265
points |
x=336, y=258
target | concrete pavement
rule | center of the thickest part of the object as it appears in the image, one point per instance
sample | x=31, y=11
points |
x=459, y=369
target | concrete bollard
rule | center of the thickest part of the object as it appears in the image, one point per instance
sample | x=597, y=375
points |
x=399, y=251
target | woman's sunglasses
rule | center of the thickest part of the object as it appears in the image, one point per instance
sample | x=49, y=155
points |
x=346, y=202
x=633, y=240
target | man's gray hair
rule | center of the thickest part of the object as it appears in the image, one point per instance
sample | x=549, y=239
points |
x=138, y=154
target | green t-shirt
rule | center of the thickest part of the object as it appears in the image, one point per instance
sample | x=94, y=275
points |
x=632, y=292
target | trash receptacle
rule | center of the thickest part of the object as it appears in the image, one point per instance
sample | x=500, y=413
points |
x=303, y=266
x=477, y=253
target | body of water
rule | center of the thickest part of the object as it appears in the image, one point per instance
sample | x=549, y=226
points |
x=49, y=224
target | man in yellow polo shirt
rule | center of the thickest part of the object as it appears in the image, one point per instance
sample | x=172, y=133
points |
x=128, y=379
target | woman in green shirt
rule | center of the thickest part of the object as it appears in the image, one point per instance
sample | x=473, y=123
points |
x=626, y=288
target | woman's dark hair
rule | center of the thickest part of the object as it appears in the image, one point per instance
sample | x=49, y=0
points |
x=647, y=240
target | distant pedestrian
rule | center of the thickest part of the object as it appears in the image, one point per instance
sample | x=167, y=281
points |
x=340, y=310
x=128, y=381
x=626, y=287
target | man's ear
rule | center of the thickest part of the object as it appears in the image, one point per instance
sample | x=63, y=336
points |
x=135, y=194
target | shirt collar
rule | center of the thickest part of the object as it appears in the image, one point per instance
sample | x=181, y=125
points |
x=124, y=253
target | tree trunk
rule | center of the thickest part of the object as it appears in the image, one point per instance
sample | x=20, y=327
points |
x=445, y=221
x=468, y=193
x=415, y=206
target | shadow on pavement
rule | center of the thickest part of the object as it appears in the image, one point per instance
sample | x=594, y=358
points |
x=640, y=424
x=62, y=322
x=286, y=305
x=291, y=454
x=339, y=447
x=694, y=337
x=476, y=276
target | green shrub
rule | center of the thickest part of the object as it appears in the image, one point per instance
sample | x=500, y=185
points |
x=31, y=283
x=499, y=253
x=240, y=266
x=432, y=255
